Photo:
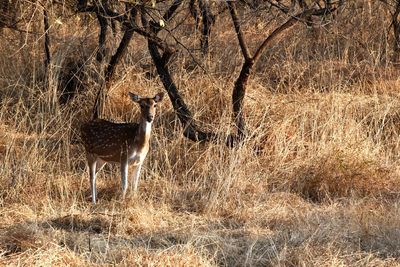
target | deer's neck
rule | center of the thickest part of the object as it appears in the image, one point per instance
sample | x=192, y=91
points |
x=143, y=136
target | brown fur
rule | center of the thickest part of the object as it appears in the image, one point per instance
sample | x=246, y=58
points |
x=112, y=139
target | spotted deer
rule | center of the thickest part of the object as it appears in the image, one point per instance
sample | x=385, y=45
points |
x=123, y=143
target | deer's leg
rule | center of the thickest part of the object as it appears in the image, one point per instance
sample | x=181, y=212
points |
x=124, y=177
x=135, y=177
x=92, y=160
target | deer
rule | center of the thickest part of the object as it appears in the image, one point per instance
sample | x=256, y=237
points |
x=123, y=143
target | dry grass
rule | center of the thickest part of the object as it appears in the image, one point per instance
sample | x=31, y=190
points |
x=324, y=191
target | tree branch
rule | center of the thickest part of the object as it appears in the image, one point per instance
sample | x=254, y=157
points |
x=236, y=23
x=288, y=24
x=46, y=39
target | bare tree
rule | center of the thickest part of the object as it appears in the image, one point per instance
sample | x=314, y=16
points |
x=239, y=89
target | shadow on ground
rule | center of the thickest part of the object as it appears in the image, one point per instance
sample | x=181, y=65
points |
x=97, y=238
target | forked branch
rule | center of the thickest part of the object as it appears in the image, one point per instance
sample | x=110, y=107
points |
x=240, y=86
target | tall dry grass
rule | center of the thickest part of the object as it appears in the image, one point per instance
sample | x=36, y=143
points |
x=323, y=105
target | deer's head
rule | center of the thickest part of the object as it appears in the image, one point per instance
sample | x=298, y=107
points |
x=148, y=105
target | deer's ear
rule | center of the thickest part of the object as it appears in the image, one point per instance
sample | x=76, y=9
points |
x=159, y=97
x=134, y=97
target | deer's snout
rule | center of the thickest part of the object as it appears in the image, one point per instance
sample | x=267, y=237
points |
x=150, y=118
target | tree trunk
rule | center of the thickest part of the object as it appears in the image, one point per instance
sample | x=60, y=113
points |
x=239, y=89
x=101, y=52
x=116, y=58
x=396, y=33
x=191, y=130
x=238, y=94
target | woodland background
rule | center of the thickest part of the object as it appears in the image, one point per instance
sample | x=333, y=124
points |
x=277, y=143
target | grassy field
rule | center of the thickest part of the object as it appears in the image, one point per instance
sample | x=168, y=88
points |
x=323, y=104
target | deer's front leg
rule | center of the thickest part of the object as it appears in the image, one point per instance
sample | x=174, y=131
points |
x=135, y=177
x=124, y=177
x=92, y=162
